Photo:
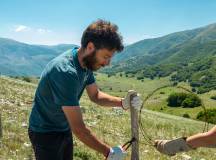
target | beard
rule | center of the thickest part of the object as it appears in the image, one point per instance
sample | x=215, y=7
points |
x=90, y=61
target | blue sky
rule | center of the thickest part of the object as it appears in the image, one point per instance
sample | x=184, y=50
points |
x=63, y=21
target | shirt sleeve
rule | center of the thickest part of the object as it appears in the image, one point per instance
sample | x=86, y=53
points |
x=64, y=86
x=91, y=79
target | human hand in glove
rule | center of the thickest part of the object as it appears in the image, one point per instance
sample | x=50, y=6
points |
x=116, y=153
x=132, y=99
x=171, y=147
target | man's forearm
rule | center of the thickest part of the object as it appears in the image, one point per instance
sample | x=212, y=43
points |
x=203, y=139
x=86, y=136
x=107, y=100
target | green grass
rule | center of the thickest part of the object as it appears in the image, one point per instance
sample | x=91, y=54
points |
x=15, y=103
x=111, y=126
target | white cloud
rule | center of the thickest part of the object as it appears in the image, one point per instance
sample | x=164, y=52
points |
x=41, y=35
x=21, y=28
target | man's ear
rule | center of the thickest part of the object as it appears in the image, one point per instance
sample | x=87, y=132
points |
x=90, y=47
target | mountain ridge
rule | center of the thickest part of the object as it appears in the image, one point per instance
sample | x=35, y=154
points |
x=21, y=59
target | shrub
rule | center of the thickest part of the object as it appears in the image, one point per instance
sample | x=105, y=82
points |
x=183, y=99
x=110, y=74
x=140, y=77
x=176, y=99
x=209, y=116
x=193, y=89
x=175, y=83
x=195, y=84
x=202, y=90
x=191, y=101
x=27, y=79
x=186, y=115
x=213, y=97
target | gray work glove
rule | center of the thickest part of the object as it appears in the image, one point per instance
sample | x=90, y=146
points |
x=171, y=147
x=133, y=99
x=116, y=153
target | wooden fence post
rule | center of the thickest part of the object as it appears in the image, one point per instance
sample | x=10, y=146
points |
x=135, y=132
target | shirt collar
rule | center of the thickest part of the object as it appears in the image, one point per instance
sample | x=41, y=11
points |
x=76, y=60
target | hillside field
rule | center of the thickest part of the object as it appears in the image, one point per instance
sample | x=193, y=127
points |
x=110, y=125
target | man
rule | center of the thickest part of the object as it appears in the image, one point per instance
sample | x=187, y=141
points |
x=171, y=147
x=56, y=110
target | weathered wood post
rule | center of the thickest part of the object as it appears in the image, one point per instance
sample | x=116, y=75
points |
x=135, y=132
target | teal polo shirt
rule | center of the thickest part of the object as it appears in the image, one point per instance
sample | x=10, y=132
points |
x=61, y=84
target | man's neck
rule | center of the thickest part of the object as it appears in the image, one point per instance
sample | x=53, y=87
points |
x=80, y=55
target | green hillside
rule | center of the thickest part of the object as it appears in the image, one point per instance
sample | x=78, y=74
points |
x=156, y=50
x=112, y=126
x=188, y=54
x=156, y=46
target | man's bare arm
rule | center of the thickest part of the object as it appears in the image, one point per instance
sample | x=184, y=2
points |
x=75, y=119
x=102, y=98
x=203, y=139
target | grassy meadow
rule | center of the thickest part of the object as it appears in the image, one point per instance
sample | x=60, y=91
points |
x=110, y=125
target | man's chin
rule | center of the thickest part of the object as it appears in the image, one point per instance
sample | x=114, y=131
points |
x=96, y=68
x=93, y=68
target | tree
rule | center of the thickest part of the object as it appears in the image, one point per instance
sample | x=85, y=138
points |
x=176, y=99
x=183, y=99
x=208, y=115
x=191, y=101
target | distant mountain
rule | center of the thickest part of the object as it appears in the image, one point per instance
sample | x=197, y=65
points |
x=180, y=46
x=23, y=59
x=188, y=56
x=191, y=51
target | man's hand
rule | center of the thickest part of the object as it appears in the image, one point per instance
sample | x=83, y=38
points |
x=133, y=99
x=171, y=147
x=116, y=153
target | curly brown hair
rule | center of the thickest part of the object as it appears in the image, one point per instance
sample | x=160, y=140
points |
x=103, y=34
